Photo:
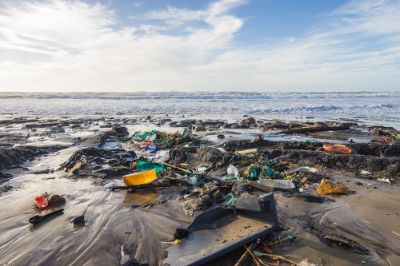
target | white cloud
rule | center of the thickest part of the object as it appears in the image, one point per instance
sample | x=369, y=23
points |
x=71, y=45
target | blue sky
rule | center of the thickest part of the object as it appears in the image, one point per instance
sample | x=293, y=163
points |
x=156, y=45
x=264, y=19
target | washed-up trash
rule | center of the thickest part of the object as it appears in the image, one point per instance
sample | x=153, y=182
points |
x=384, y=180
x=78, y=166
x=327, y=187
x=41, y=202
x=247, y=152
x=145, y=135
x=277, y=184
x=111, y=145
x=271, y=173
x=151, y=148
x=232, y=178
x=38, y=219
x=141, y=178
x=306, y=169
x=365, y=173
x=194, y=179
x=230, y=200
x=200, y=128
x=206, y=238
x=257, y=138
x=337, y=148
x=252, y=172
x=111, y=185
x=201, y=169
x=232, y=171
x=260, y=187
x=141, y=166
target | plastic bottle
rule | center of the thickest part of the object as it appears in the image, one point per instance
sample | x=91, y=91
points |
x=232, y=170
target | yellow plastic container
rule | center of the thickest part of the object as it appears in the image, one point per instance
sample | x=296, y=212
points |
x=142, y=178
x=247, y=152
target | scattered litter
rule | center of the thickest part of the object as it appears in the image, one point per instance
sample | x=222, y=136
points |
x=327, y=187
x=232, y=171
x=277, y=184
x=111, y=185
x=384, y=180
x=201, y=169
x=217, y=182
x=141, y=178
x=337, y=148
x=141, y=166
x=151, y=148
x=41, y=202
x=247, y=152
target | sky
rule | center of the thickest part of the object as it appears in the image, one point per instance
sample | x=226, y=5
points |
x=180, y=45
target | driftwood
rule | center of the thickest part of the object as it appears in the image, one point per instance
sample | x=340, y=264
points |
x=315, y=129
x=178, y=168
x=246, y=254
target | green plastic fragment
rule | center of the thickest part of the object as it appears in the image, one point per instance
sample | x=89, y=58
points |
x=230, y=200
x=144, y=166
x=254, y=173
x=232, y=178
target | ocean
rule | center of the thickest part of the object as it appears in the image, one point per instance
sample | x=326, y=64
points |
x=375, y=108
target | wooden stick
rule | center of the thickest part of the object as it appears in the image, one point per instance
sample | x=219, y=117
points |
x=244, y=256
x=278, y=257
x=179, y=168
x=256, y=260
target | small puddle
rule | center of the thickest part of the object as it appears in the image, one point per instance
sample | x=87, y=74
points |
x=142, y=197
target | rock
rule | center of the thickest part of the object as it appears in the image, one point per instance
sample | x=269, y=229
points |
x=200, y=128
x=79, y=221
x=56, y=200
x=119, y=132
x=392, y=150
x=248, y=121
x=183, y=123
x=378, y=132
